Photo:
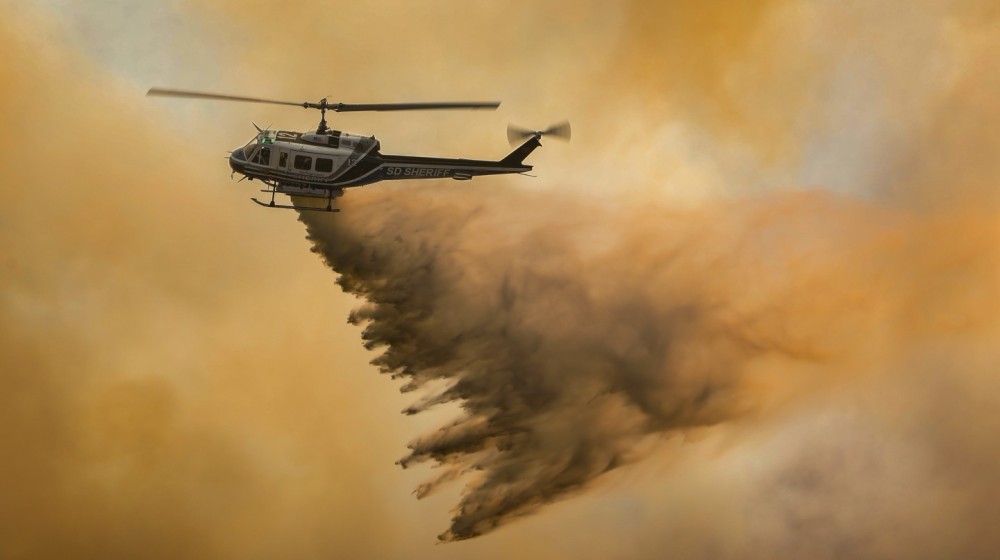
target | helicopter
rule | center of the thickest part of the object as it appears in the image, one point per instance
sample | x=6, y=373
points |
x=322, y=163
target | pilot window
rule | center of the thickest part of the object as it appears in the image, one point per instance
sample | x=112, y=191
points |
x=324, y=165
x=303, y=162
x=249, y=148
x=264, y=156
x=283, y=159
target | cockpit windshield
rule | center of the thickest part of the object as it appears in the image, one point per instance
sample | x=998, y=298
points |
x=249, y=148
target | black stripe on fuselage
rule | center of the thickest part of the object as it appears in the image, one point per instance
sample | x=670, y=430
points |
x=419, y=167
x=450, y=162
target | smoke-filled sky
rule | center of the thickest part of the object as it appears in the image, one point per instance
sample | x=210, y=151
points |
x=751, y=311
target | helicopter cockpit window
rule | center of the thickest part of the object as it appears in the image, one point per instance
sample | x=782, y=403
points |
x=303, y=162
x=249, y=148
x=263, y=156
x=324, y=165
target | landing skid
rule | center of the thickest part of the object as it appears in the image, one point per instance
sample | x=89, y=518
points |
x=290, y=207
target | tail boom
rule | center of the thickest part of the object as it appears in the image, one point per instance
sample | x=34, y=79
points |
x=418, y=167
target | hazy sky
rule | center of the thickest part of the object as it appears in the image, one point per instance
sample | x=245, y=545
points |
x=815, y=180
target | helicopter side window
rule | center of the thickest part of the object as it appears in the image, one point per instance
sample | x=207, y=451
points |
x=264, y=156
x=303, y=162
x=324, y=165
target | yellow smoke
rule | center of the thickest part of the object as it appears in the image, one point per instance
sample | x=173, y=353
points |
x=169, y=387
x=143, y=329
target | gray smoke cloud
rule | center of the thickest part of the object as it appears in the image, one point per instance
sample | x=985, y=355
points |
x=574, y=336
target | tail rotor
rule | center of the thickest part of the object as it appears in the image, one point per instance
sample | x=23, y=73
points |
x=517, y=134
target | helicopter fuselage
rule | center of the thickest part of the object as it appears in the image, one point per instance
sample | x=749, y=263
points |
x=323, y=164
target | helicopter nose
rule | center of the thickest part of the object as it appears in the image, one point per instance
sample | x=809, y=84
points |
x=237, y=160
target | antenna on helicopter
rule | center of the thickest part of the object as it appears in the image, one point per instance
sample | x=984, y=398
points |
x=323, y=105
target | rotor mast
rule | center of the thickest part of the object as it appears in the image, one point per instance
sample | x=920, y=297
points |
x=322, y=106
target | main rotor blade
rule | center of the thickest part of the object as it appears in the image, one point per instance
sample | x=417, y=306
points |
x=163, y=92
x=324, y=104
x=348, y=107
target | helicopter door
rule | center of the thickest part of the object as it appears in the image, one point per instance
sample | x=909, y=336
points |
x=263, y=156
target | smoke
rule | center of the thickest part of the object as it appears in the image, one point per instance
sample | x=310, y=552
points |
x=574, y=337
x=140, y=416
x=577, y=336
x=176, y=378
